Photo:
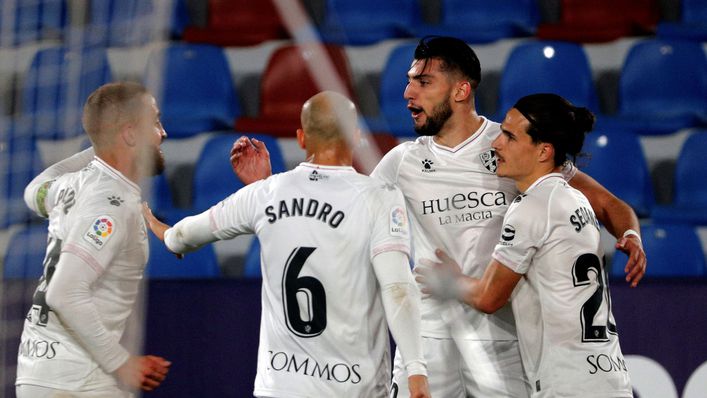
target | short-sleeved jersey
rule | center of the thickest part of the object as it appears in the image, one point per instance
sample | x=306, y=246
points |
x=456, y=202
x=323, y=331
x=562, y=306
x=95, y=215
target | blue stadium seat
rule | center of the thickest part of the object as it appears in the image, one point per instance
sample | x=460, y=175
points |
x=33, y=21
x=115, y=23
x=671, y=250
x=252, y=261
x=194, y=89
x=662, y=88
x=395, y=117
x=616, y=160
x=165, y=265
x=24, y=258
x=214, y=179
x=20, y=161
x=690, y=184
x=547, y=67
x=56, y=86
x=693, y=23
x=482, y=21
x=368, y=21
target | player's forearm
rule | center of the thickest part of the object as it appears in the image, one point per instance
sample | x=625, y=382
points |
x=617, y=217
x=190, y=234
x=401, y=303
x=69, y=297
x=38, y=189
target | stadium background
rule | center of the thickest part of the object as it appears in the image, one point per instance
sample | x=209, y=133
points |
x=221, y=68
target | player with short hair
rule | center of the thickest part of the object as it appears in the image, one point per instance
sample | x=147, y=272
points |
x=548, y=257
x=456, y=202
x=96, y=254
x=334, y=259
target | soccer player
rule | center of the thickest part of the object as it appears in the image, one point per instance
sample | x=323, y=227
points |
x=456, y=202
x=549, y=251
x=96, y=253
x=334, y=258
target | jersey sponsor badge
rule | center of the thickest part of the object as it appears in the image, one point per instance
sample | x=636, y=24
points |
x=100, y=230
x=398, y=222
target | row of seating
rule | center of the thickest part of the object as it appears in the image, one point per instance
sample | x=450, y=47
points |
x=662, y=86
x=663, y=243
x=246, y=22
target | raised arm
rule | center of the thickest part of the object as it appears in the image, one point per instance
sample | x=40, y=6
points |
x=401, y=302
x=38, y=189
x=620, y=220
x=250, y=160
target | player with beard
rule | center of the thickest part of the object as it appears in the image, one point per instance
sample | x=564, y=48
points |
x=457, y=202
x=97, y=249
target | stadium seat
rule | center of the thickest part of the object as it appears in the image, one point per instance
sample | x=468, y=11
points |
x=124, y=23
x=24, y=258
x=20, y=161
x=394, y=115
x=481, y=21
x=671, y=250
x=214, y=179
x=369, y=152
x=662, y=88
x=693, y=23
x=366, y=22
x=252, y=261
x=547, y=67
x=56, y=86
x=601, y=20
x=163, y=264
x=238, y=23
x=33, y=21
x=690, y=184
x=616, y=160
x=193, y=87
x=289, y=81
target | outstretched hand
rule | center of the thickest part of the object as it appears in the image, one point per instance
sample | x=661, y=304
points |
x=636, y=265
x=157, y=227
x=438, y=278
x=250, y=160
x=143, y=372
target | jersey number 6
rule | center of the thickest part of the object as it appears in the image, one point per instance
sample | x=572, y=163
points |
x=304, y=297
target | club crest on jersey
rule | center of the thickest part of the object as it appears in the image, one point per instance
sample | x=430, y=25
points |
x=315, y=176
x=488, y=159
x=100, y=231
x=398, y=222
x=427, y=166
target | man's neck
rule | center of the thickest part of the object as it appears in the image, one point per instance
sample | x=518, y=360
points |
x=459, y=129
x=334, y=156
x=125, y=166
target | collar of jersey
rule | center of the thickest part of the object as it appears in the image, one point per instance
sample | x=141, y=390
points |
x=464, y=143
x=544, y=178
x=325, y=167
x=101, y=164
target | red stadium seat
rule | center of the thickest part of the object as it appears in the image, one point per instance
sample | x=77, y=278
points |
x=238, y=23
x=288, y=82
x=601, y=20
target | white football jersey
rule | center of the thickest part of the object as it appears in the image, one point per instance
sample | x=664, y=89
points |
x=323, y=331
x=456, y=202
x=94, y=214
x=562, y=306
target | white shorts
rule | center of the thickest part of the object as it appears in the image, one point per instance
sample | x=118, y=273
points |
x=479, y=369
x=32, y=391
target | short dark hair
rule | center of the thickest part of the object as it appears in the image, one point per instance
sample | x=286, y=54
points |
x=455, y=54
x=554, y=120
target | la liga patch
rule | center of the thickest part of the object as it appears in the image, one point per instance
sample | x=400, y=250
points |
x=398, y=221
x=100, y=231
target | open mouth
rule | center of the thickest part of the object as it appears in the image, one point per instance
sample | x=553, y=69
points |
x=415, y=111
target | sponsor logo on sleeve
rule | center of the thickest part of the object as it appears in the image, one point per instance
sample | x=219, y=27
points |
x=398, y=222
x=100, y=231
x=508, y=233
